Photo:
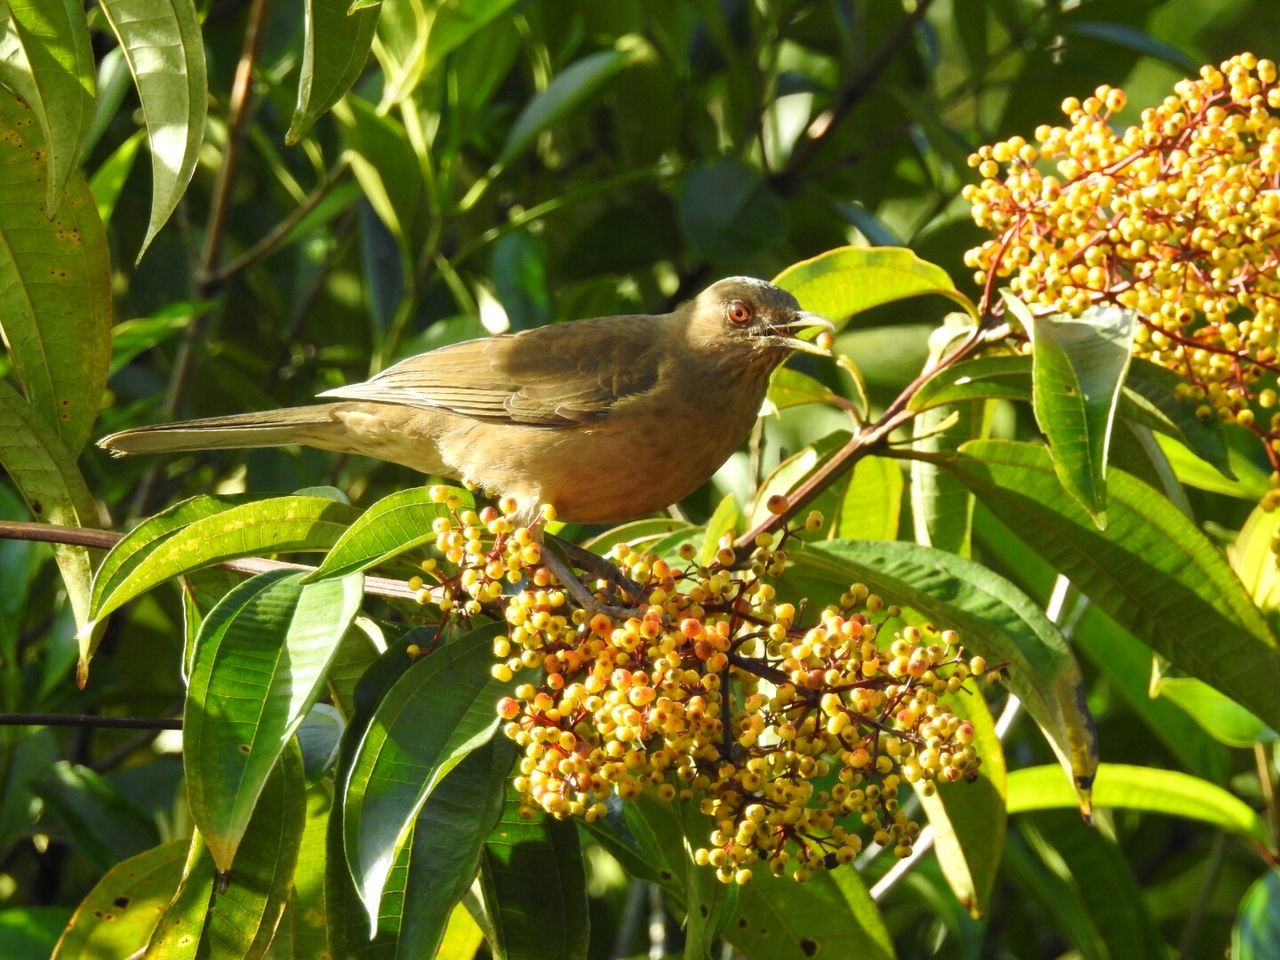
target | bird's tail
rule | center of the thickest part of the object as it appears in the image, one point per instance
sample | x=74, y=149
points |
x=268, y=428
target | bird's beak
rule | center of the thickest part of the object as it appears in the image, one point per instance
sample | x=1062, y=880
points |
x=788, y=332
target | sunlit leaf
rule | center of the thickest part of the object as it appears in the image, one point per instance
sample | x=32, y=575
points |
x=100, y=821
x=260, y=663
x=163, y=46
x=55, y=285
x=335, y=48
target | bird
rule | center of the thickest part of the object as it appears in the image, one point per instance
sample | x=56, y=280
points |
x=606, y=419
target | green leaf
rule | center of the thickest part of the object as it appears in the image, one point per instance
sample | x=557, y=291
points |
x=1218, y=715
x=1141, y=788
x=390, y=527
x=986, y=378
x=244, y=917
x=721, y=524
x=969, y=819
x=1152, y=569
x=441, y=709
x=1133, y=38
x=356, y=652
x=310, y=911
x=132, y=337
x=871, y=503
x=45, y=473
x=163, y=46
x=1256, y=934
x=109, y=179
x=453, y=24
x=335, y=47
x=1115, y=652
x=534, y=888
x=849, y=280
x=260, y=662
x=729, y=211
x=278, y=525
x=401, y=50
x=709, y=904
x=100, y=822
x=1252, y=483
x=994, y=619
x=791, y=388
x=31, y=931
x=447, y=842
x=54, y=38
x=567, y=92
x=829, y=915
x=1150, y=398
x=140, y=542
x=319, y=735
x=118, y=915
x=1078, y=366
x=177, y=935
x=55, y=285
x=941, y=506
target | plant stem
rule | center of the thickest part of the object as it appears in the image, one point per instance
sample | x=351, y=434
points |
x=106, y=539
x=89, y=720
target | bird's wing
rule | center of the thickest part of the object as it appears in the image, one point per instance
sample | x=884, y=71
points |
x=562, y=375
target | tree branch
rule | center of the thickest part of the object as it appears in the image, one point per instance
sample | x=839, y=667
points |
x=89, y=720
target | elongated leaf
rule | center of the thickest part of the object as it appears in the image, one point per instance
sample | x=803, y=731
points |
x=163, y=46
x=729, y=210
x=1149, y=398
x=941, y=506
x=55, y=285
x=54, y=37
x=830, y=914
x=177, y=936
x=441, y=709
x=1141, y=788
x=45, y=473
x=1078, y=367
x=118, y=915
x=994, y=619
x=1114, y=651
x=1152, y=570
x=310, y=913
x=849, y=280
x=109, y=179
x=791, y=388
x=447, y=843
x=453, y=24
x=1218, y=715
x=870, y=503
x=1101, y=874
x=143, y=539
x=968, y=819
x=245, y=915
x=390, y=527
x=278, y=525
x=986, y=378
x=567, y=91
x=1257, y=931
x=403, y=29
x=260, y=663
x=100, y=821
x=335, y=48
x=534, y=888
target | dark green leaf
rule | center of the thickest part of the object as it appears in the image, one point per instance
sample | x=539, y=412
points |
x=728, y=211
x=440, y=710
x=260, y=663
x=164, y=49
x=100, y=822
x=1256, y=935
x=118, y=915
x=1152, y=570
x=534, y=887
x=993, y=618
x=334, y=52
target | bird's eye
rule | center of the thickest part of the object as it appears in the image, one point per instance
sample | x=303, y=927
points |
x=739, y=312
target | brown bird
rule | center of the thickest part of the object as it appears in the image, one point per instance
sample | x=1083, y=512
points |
x=606, y=419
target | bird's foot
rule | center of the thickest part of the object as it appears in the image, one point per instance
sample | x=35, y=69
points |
x=628, y=594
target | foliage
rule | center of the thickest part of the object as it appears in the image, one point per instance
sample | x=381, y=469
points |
x=399, y=735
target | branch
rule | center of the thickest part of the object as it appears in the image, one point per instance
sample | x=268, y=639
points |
x=106, y=539
x=89, y=720
x=854, y=90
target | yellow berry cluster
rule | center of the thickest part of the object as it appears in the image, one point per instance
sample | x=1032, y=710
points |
x=1176, y=217
x=796, y=740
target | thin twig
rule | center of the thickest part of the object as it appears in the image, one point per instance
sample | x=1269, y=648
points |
x=89, y=720
x=854, y=90
x=1268, y=788
x=278, y=233
x=106, y=539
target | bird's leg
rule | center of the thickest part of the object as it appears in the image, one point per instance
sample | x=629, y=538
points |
x=561, y=569
x=626, y=589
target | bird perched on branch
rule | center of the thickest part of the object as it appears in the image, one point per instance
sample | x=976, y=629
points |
x=606, y=419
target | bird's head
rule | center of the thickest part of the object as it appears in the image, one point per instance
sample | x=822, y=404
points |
x=740, y=313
